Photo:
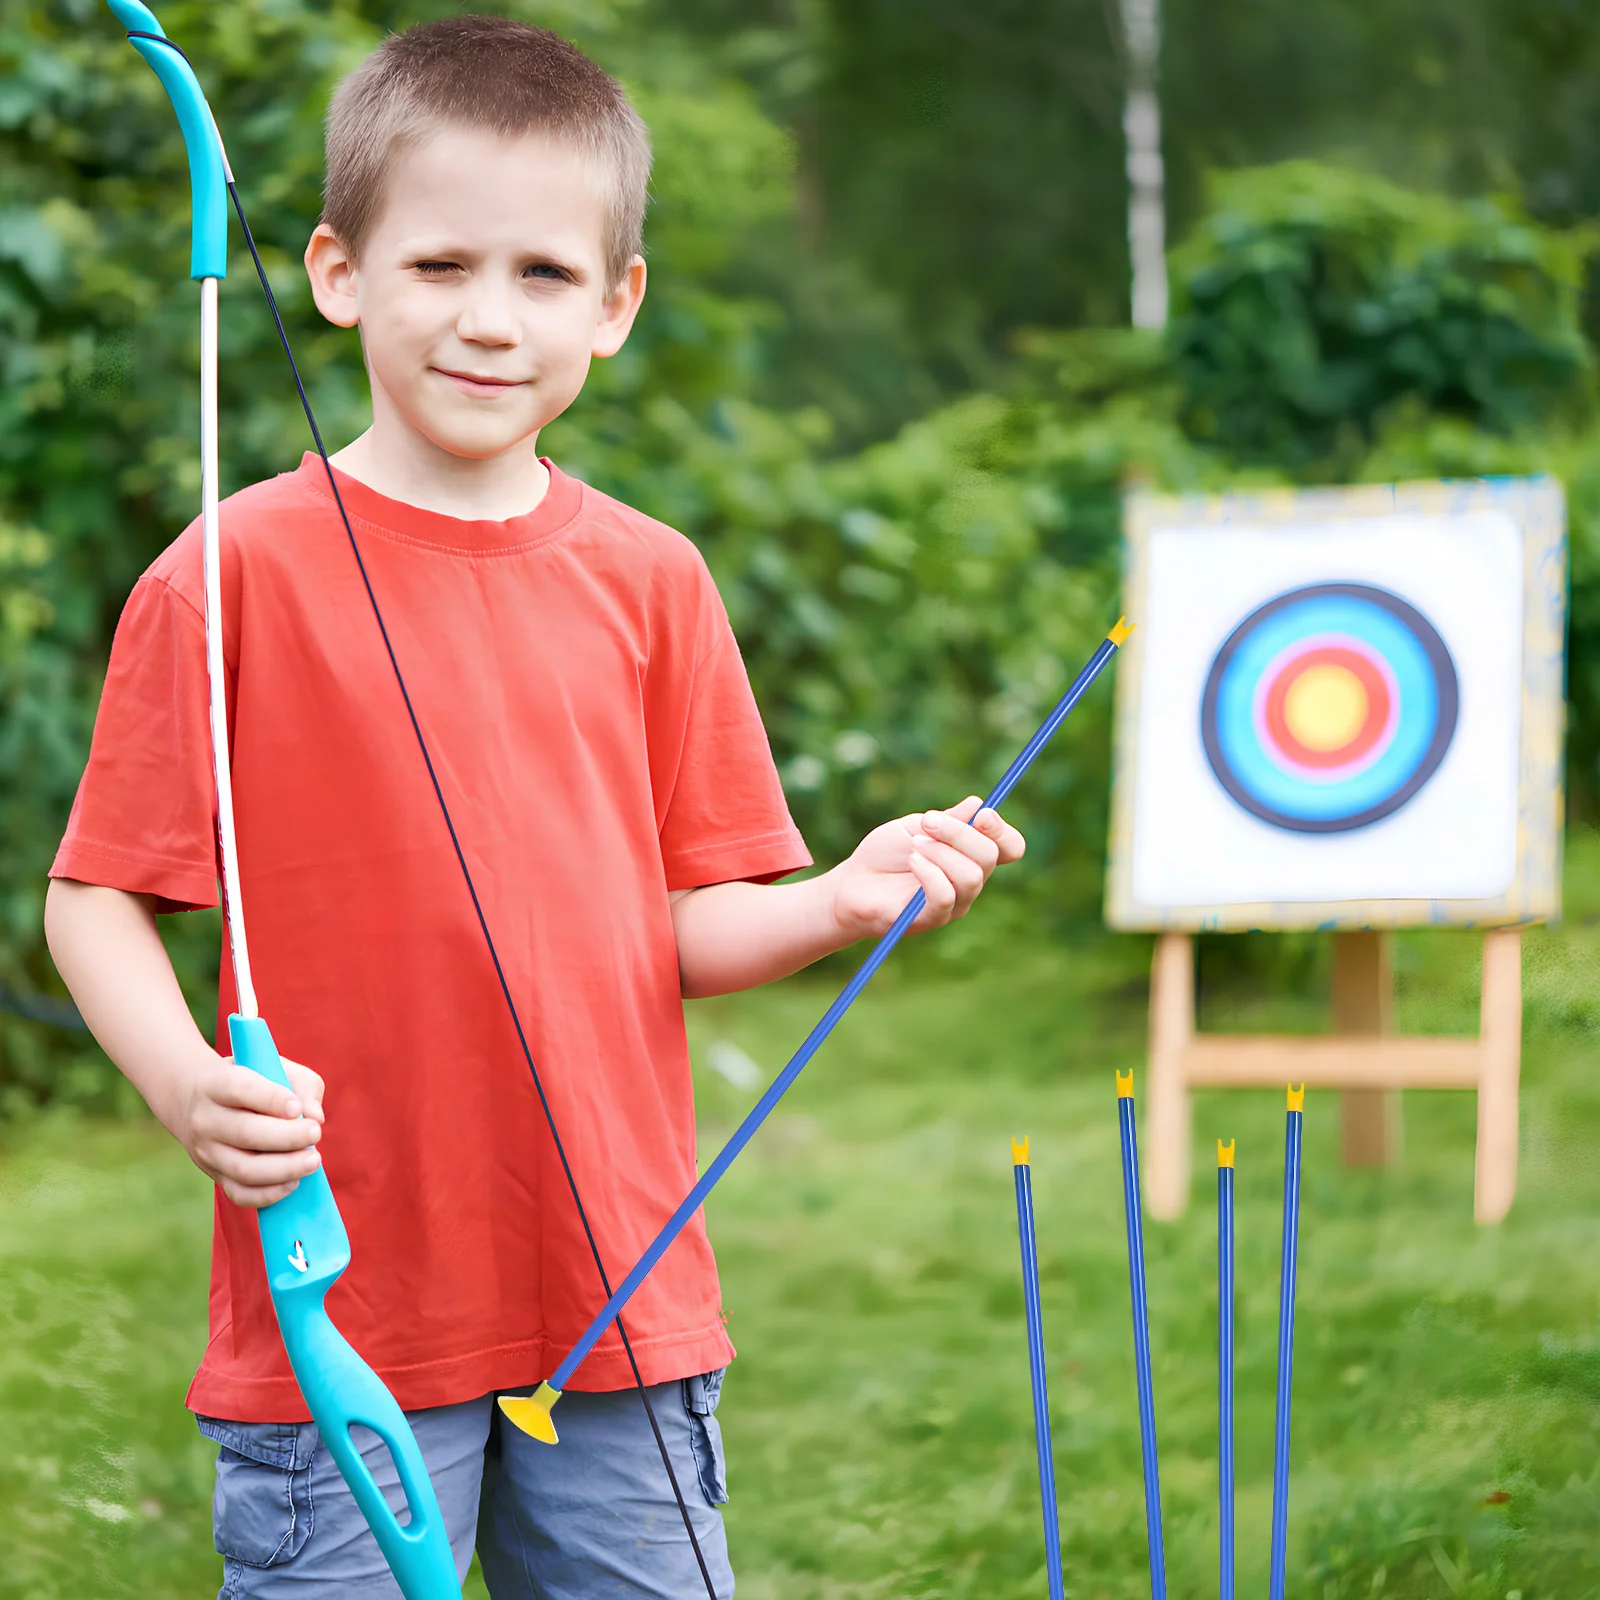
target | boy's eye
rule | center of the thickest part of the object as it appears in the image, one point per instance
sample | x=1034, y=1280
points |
x=546, y=270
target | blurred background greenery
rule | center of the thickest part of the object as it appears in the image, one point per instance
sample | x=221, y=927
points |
x=884, y=378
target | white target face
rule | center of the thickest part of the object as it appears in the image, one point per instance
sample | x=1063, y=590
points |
x=1329, y=711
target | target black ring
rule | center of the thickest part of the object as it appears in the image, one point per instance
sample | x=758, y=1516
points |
x=1447, y=702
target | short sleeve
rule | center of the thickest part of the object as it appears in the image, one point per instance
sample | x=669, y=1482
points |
x=144, y=817
x=720, y=806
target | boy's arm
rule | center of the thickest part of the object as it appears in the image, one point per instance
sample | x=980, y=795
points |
x=737, y=935
x=241, y=1130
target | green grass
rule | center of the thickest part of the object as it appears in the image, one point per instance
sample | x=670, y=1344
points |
x=1447, y=1422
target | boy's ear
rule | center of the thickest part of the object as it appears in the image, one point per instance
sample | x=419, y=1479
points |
x=617, y=310
x=332, y=275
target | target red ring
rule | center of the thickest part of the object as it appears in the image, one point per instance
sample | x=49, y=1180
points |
x=1363, y=679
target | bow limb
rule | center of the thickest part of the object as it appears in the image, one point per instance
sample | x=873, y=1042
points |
x=303, y=1241
x=208, y=263
x=208, y=165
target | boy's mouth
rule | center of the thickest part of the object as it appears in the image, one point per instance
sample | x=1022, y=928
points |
x=477, y=385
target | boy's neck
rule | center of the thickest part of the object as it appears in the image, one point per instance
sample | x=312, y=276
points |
x=493, y=489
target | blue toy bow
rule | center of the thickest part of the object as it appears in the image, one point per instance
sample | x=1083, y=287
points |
x=303, y=1239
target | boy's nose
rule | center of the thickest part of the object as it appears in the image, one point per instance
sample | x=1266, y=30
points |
x=488, y=317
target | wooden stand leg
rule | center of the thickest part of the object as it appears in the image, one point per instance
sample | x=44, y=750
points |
x=1363, y=1006
x=1501, y=1046
x=1167, y=1120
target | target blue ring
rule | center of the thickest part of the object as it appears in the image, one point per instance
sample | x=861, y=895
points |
x=1418, y=694
x=1425, y=684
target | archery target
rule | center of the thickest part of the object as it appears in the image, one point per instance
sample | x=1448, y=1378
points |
x=1329, y=707
x=1328, y=710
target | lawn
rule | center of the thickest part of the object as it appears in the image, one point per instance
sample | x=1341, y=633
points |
x=1447, y=1419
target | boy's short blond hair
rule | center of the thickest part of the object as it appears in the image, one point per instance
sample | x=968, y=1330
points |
x=493, y=73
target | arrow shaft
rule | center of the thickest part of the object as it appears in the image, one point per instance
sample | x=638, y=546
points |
x=1286, y=1293
x=1225, y=1468
x=1141, y=1348
x=1037, y=1372
x=781, y=1085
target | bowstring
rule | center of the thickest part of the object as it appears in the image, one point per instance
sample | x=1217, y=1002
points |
x=472, y=890
x=461, y=858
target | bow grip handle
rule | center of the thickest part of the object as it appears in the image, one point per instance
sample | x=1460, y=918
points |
x=305, y=1247
x=303, y=1239
x=208, y=167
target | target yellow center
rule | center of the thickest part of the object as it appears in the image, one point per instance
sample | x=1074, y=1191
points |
x=1325, y=707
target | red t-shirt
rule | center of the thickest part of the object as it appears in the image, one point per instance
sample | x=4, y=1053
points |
x=592, y=726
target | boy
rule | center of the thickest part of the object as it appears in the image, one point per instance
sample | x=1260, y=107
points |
x=594, y=735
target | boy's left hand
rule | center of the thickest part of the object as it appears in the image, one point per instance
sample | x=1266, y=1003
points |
x=948, y=854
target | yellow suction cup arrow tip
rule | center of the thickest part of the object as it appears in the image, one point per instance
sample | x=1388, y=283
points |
x=1019, y=1152
x=531, y=1413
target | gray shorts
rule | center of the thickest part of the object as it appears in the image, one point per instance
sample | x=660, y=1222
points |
x=594, y=1516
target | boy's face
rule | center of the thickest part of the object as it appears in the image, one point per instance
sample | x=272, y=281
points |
x=480, y=292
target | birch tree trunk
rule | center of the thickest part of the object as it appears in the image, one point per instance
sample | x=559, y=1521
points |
x=1141, y=126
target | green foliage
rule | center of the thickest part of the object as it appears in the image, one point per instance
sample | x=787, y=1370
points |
x=1312, y=304
x=26, y=669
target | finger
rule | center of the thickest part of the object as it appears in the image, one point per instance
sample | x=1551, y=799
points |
x=255, y=1199
x=967, y=810
x=249, y=1169
x=965, y=875
x=971, y=842
x=308, y=1086
x=940, y=893
x=249, y=1130
x=1009, y=841
x=233, y=1085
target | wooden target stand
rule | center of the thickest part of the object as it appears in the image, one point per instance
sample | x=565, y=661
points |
x=1362, y=1057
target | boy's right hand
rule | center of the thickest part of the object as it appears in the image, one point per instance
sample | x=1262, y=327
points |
x=252, y=1137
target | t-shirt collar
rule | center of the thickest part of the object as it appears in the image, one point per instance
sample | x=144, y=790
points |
x=414, y=525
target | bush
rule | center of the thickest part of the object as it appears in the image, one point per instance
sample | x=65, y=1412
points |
x=1313, y=304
